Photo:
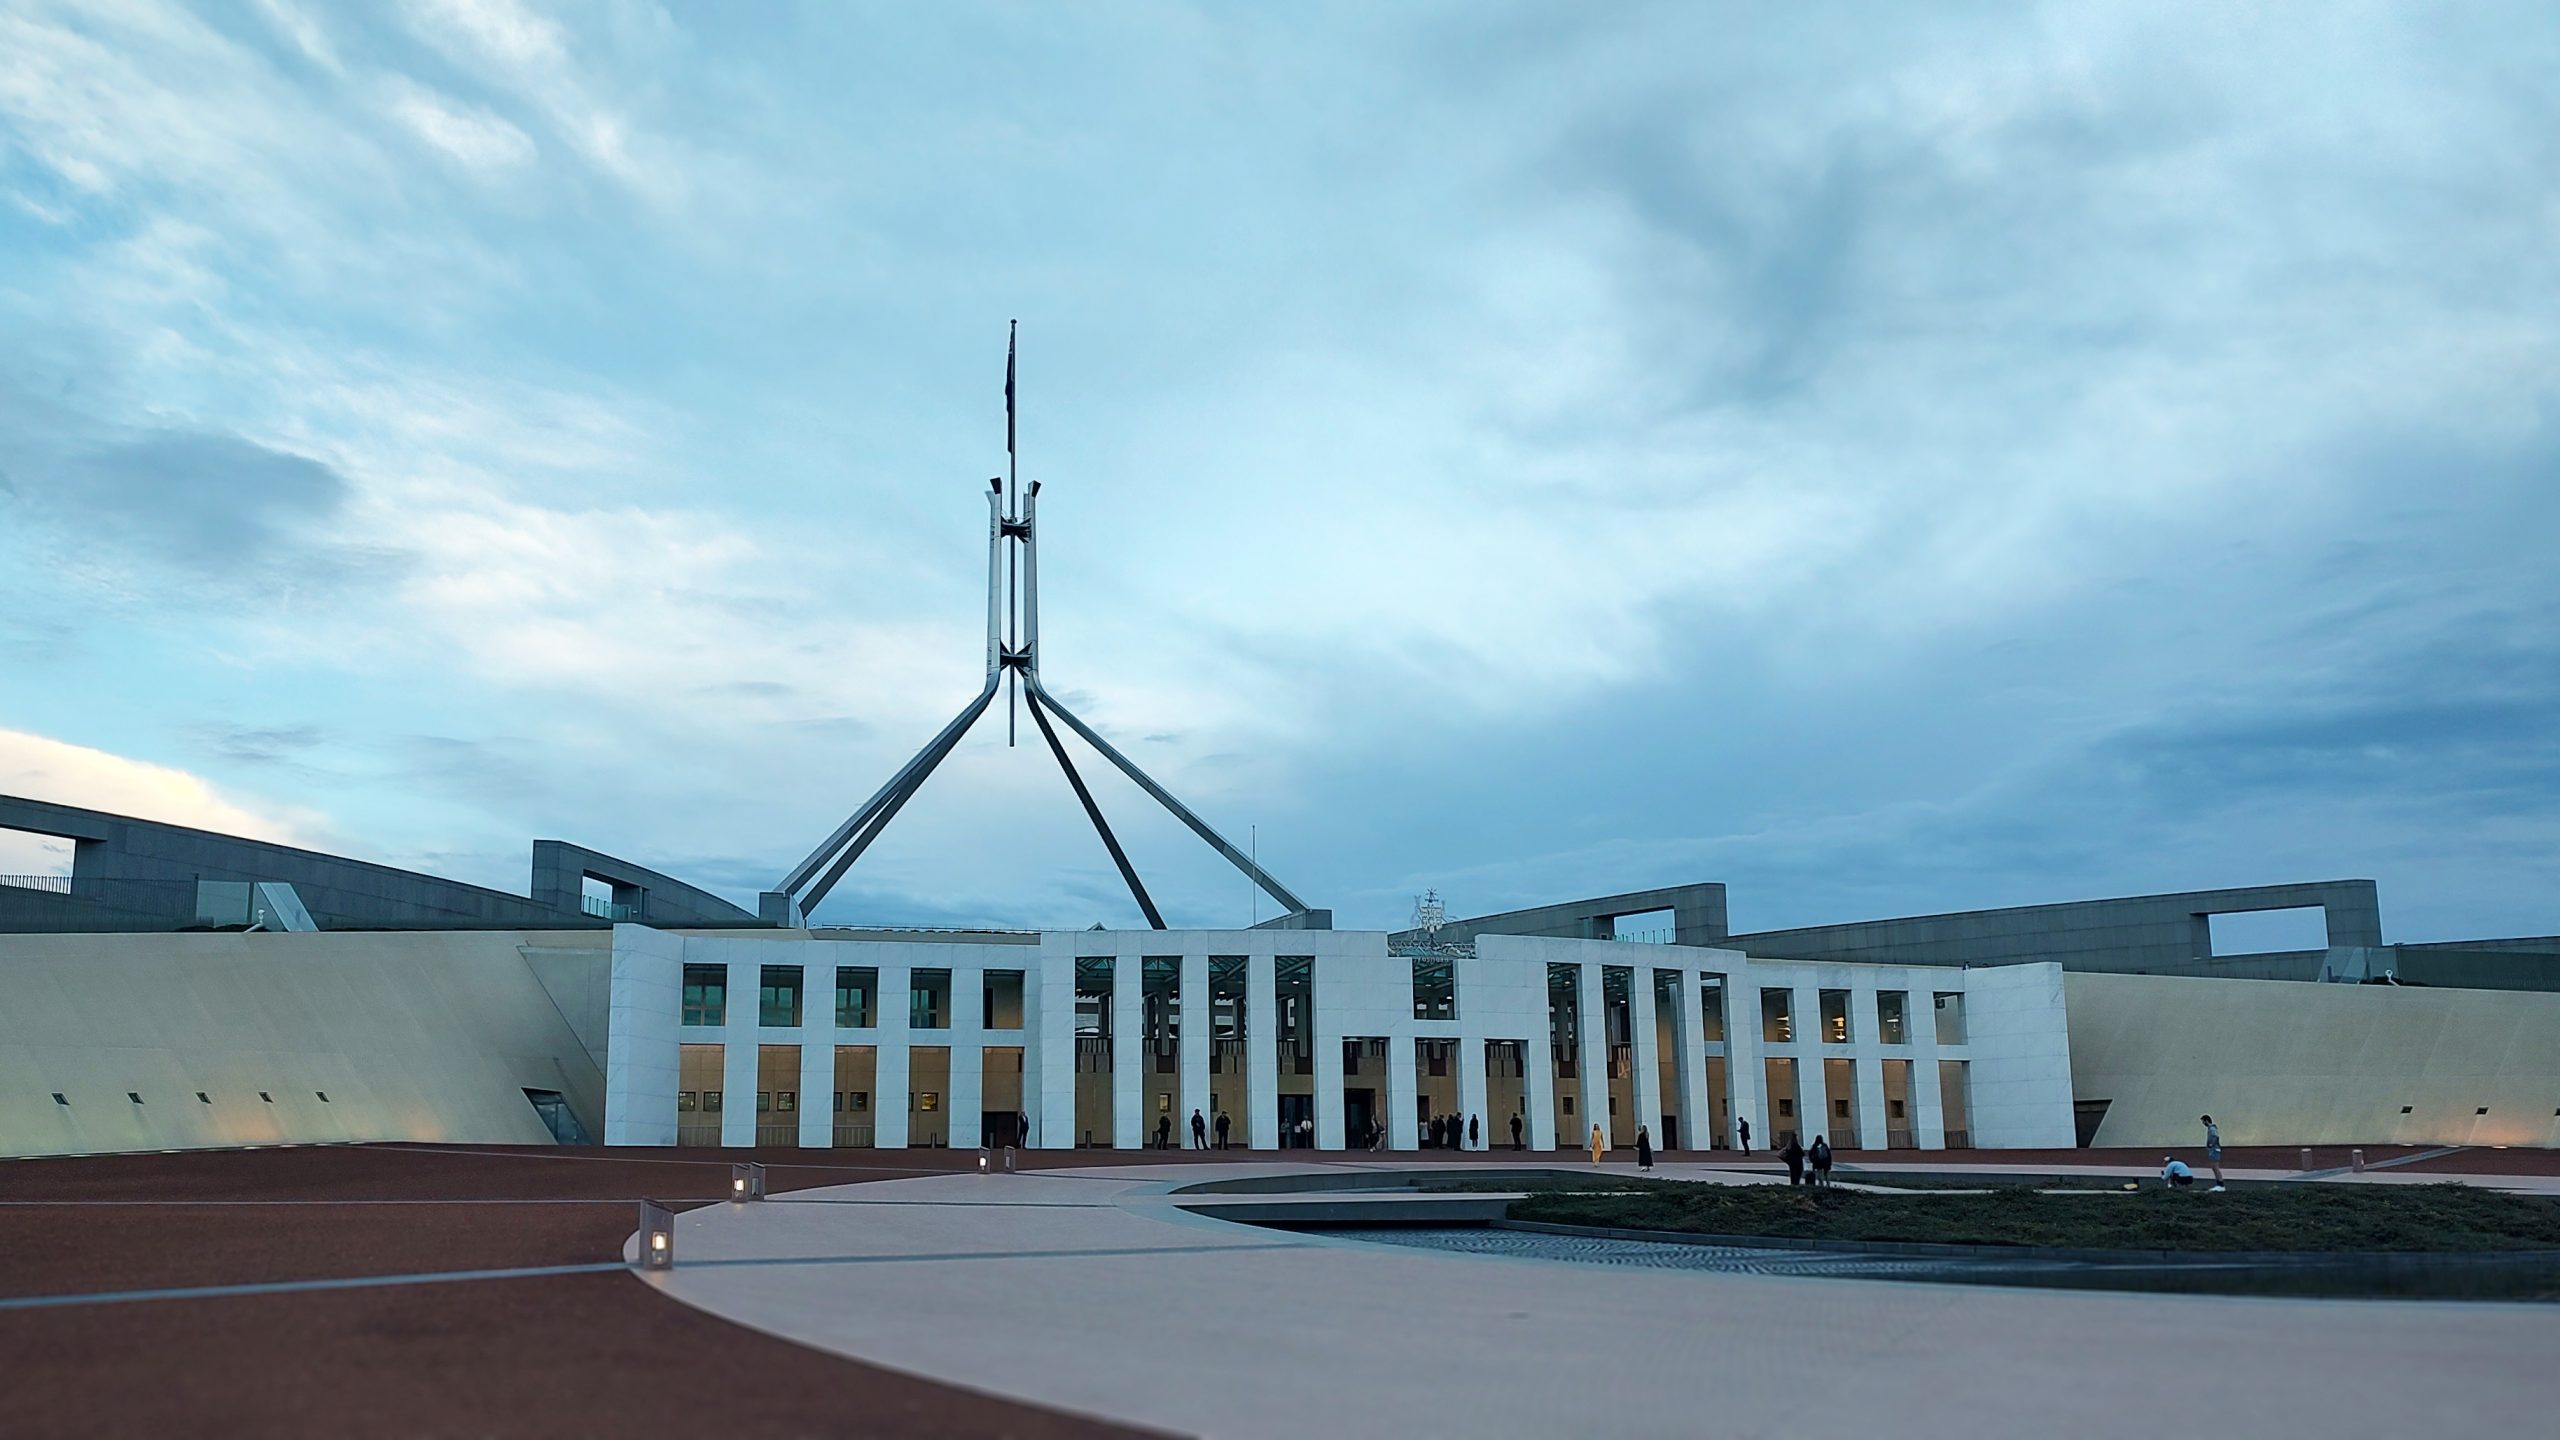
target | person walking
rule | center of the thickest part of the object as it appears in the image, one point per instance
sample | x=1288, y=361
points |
x=1515, y=1134
x=1599, y=1144
x=1164, y=1132
x=1475, y=1136
x=1222, y=1129
x=1794, y=1156
x=1745, y=1127
x=1820, y=1156
x=1644, y=1148
x=1199, y=1132
x=2213, y=1149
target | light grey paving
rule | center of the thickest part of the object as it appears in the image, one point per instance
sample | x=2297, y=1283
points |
x=1161, y=1320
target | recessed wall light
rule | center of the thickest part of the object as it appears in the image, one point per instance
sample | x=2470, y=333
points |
x=263, y=1095
x=58, y=1098
x=2405, y=1109
x=2483, y=1110
x=204, y=1097
x=134, y=1095
x=323, y=1094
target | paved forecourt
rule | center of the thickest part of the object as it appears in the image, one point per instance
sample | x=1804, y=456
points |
x=1092, y=1290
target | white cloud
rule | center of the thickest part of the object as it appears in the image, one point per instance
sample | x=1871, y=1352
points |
x=478, y=139
x=305, y=33
x=37, y=767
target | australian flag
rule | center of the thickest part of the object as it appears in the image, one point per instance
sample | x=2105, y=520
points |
x=1008, y=390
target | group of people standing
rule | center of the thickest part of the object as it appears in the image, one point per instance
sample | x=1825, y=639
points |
x=1644, y=1146
x=1807, y=1164
x=1448, y=1132
x=1199, y=1131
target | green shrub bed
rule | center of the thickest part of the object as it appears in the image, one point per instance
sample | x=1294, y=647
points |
x=2302, y=1217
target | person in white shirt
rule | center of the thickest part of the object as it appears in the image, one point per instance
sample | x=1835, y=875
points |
x=2175, y=1172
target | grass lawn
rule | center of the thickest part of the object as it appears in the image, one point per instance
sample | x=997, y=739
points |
x=2308, y=1217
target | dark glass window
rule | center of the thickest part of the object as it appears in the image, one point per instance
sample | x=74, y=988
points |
x=1435, y=990
x=857, y=996
x=706, y=994
x=928, y=999
x=778, y=996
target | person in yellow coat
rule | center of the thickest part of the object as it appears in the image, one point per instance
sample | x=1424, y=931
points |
x=1599, y=1144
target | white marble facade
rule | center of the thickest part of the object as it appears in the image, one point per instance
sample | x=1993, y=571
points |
x=2008, y=1034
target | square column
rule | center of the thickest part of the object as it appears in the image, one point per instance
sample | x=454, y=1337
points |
x=1049, y=1049
x=1646, y=1031
x=1928, y=1098
x=1404, y=1091
x=1813, y=1102
x=1471, y=1092
x=1262, y=1052
x=1592, y=1038
x=1867, y=1058
x=889, y=1071
x=1329, y=1133
x=1538, y=1059
x=1746, y=1089
x=740, y=1039
x=818, y=1074
x=1697, y=1112
x=1194, y=1039
x=1128, y=1053
x=966, y=1122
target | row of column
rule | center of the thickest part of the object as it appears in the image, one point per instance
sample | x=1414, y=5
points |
x=891, y=1040
x=1049, y=1081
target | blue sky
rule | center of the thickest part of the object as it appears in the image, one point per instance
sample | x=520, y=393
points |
x=1886, y=458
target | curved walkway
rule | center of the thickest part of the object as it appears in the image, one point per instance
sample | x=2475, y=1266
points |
x=1093, y=1291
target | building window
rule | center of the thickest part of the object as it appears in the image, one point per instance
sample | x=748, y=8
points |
x=1950, y=1017
x=711, y=1102
x=706, y=994
x=778, y=997
x=1435, y=990
x=688, y=1101
x=1711, y=1005
x=764, y=1101
x=1835, y=1016
x=1777, y=1015
x=1892, y=1018
x=929, y=1101
x=787, y=1101
x=929, y=1000
x=1000, y=999
x=857, y=997
x=857, y=1102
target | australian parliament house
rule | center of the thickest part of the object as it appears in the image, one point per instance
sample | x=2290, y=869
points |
x=180, y=988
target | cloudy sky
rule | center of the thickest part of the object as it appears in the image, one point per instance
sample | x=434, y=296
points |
x=1888, y=458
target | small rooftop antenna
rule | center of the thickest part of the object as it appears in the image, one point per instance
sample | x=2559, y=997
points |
x=1013, y=660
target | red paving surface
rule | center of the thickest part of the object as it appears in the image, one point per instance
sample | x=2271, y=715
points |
x=546, y=1355
x=543, y=1355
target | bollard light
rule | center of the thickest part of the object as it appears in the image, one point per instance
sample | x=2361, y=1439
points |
x=982, y=1162
x=746, y=1182
x=1012, y=1159
x=2355, y=1158
x=2306, y=1157
x=657, y=1236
